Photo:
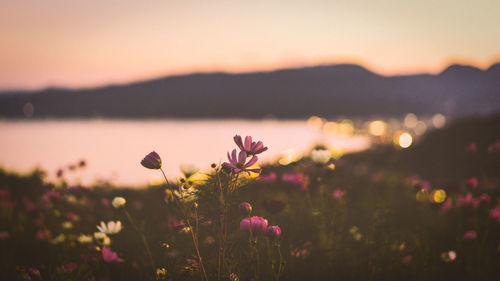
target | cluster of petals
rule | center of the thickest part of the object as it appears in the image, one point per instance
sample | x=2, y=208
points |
x=254, y=224
x=110, y=256
x=152, y=161
x=250, y=147
x=111, y=227
x=238, y=163
x=274, y=231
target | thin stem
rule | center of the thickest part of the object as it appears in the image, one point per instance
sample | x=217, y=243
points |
x=144, y=240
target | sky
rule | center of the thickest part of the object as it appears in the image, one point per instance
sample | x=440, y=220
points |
x=86, y=43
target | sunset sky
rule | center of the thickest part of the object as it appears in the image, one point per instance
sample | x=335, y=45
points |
x=82, y=43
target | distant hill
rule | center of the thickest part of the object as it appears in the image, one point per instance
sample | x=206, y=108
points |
x=329, y=91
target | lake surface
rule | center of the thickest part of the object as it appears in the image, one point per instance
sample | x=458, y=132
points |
x=113, y=149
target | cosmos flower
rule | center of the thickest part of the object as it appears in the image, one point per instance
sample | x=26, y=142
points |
x=472, y=182
x=118, y=202
x=239, y=164
x=110, y=256
x=152, y=161
x=254, y=224
x=250, y=147
x=268, y=178
x=470, y=235
x=245, y=208
x=110, y=228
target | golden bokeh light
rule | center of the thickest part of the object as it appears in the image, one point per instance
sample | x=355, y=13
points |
x=289, y=156
x=377, y=128
x=346, y=127
x=438, y=121
x=420, y=128
x=438, y=196
x=315, y=122
x=331, y=128
x=410, y=120
x=405, y=140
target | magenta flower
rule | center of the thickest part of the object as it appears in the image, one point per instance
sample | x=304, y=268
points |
x=152, y=161
x=466, y=200
x=255, y=224
x=33, y=271
x=470, y=235
x=110, y=256
x=495, y=214
x=250, y=147
x=4, y=235
x=406, y=260
x=237, y=164
x=245, y=208
x=472, y=147
x=298, y=179
x=445, y=207
x=274, y=231
x=485, y=198
x=337, y=194
x=472, y=182
x=267, y=179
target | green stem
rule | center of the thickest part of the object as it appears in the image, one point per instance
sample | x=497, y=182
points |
x=144, y=240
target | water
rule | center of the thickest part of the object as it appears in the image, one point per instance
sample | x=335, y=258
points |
x=113, y=149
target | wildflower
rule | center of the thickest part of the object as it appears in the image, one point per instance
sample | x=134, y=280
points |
x=67, y=225
x=103, y=238
x=251, y=148
x=245, y=208
x=152, y=161
x=406, y=260
x=298, y=179
x=445, y=207
x=494, y=147
x=59, y=239
x=234, y=277
x=84, y=239
x=274, y=231
x=33, y=271
x=449, y=256
x=337, y=194
x=254, y=224
x=118, y=202
x=267, y=179
x=320, y=156
x=238, y=163
x=161, y=273
x=495, y=213
x=466, y=200
x=110, y=228
x=110, y=256
x=4, y=235
x=470, y=235
x=472, y=147
x=485, y=198
x=472, y=182
x=188, y=170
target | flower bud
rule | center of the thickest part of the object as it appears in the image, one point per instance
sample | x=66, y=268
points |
x=245, y=208
x=274, y=231
x=152, y=161
x=118, y=202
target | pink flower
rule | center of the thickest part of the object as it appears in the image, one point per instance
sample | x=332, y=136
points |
x=406, y=260
x=152, y=161
x=274, y=231
x=267, y=179
x=425, y=185
x=470, y=235
x=33, y=271
x=28, y=205
x=471, y=147
x=239, y=164
x=445, y=207
x=110, y=256
x=298, y=179
x=466, y=200
x=245, y=208
x=337, y=194
x=472, y=182
x=494, y=147
x=4, y=235
x=495, y=213
x=255, y=224
x=251, y=148
x=485, y=198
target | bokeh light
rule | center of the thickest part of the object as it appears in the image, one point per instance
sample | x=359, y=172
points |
x=438, y=196
x=315, y=122
x=331, y=128
x=346, y=127
x=410, y=120
x=438, y=121
x=420, y=128
x=404, y=139
x=377, y=128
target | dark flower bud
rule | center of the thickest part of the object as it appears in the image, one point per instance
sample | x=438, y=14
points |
x=245, y=208
x=152, y=161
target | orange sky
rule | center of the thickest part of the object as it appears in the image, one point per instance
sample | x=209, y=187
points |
x=82, y=43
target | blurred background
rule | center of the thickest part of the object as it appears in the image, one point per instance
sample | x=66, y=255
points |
x=105, y=82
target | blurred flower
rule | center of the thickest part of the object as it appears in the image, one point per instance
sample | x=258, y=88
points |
x=33, y=271
x=238, y=163
x=67, y=268
x=274, y=206
x=67, y=225
x=59, y=173
x=268, y=178
x=472, y=147
x=187, y=194
x=82, y=163
x=28, y=205
x=105, y=202
x=110, y=256
x=470, y=235
x=161, y=273
x=274, y=231
x=188, y=170
x=445, y=207
x=449, y=256
x=245, y=208
x=254, y=224
x=320, y=156
x=298, y=179
x=495, y=213
x=337, y=194
x=465, y=200
x=406, y=260
x=233, y=277
x=4, y=235
x=472, y=182
x=152, y=161
x=251, y=148
x=59, y=239
x=102, y=237
x=485, y=198
x=118, y=202
x=84, y=239
x=425, y=185
x=71, y=216
x=494, y=147
x=110, y=228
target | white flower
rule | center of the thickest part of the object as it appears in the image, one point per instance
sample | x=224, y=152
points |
x=59, y=239
x=188, y=169
x=118, y=202
x=320, y=156
x=103, y=238
x=85, y=239
x=111, y=228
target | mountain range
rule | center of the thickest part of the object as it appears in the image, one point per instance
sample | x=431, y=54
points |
x=326, y=90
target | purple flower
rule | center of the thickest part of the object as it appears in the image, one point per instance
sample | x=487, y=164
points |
x=274, y=231
x=245, y=208
x=110, y=256
x=238, y=163
x=250, y=147
x=254, y=224
x=472, y=182
x=470, y=235
x=267, y=179
x=152, y=161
